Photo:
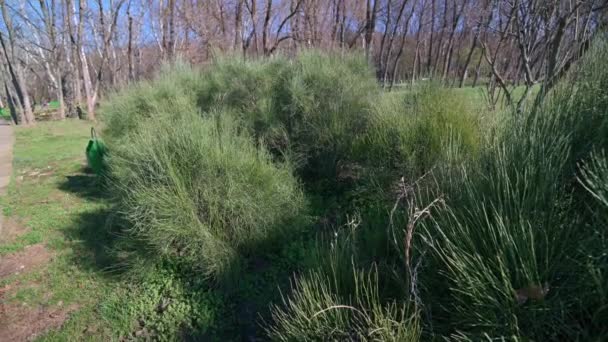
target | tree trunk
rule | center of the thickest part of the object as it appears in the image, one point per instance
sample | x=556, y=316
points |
x=61, y=99
x=72, y=54
x=400, y=53
x=238, y=26
x=54, y=72
x=429, y=59
x=265, y=27
x=25, y=101
x=457, y=14
x=463, y=77
x=370, y=27
x=477, y=71
x=171, y=39
x=392, y=39
x=438, y=54
x=15, y=115
x=417, y=49
x=474, y=46
x=130, y=49
x=381, y=68
x=83, y=63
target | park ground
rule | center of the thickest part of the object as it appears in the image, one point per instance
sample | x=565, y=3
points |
x=52, y=275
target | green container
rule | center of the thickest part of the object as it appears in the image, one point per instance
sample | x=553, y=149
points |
x=96, y=151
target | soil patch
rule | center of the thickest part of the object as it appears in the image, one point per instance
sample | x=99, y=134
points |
x=27, y=259
x=20, y=322
x=11, y=230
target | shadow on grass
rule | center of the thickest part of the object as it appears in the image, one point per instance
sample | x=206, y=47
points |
x=103, y=245
x=85, y=184
x=97, y=240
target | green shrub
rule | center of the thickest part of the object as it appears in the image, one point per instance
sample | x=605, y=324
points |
x=312, y=108
x=580, y=104
x=242, y=87
x=198, y=189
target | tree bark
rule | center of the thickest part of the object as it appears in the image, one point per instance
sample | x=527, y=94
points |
x=457, y=14
x=170, y=48
x=82, y=61
x=130, y=65
x=392, y=39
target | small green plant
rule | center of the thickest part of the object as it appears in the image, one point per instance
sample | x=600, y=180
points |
x=161, y=306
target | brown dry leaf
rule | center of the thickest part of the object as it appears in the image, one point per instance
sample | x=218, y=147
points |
x=535, y=292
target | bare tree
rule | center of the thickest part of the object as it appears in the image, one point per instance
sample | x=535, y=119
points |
x=107, y=30
x=475, y=40
x=54, y=56
x=456, y=16
x=74, y=50
x=15, y=66
x=537, y=30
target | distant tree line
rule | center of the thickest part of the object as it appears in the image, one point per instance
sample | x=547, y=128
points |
x=73, y=51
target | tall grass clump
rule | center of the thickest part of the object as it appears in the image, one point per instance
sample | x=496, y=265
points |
x=323, y=103
x=346, y=297
x=594, y=178
x=243, y=87
x=580, y=104
x=199, y=190
x=411, y=130
x=204, y=172
x=171, y=93
x=517, y=253
x=317, y=313
x=312, y=107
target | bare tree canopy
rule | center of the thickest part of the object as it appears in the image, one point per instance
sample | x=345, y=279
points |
x=73, y=51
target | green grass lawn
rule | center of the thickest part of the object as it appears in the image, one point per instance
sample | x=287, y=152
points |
x=61, y=207
x=478, y=95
